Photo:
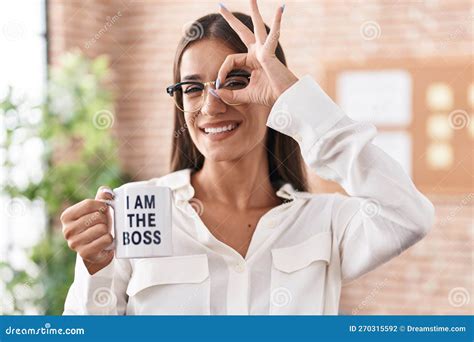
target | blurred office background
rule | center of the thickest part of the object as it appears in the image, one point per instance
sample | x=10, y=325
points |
x=406, y=66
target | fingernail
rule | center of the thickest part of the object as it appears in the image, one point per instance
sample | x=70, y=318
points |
x=282, y=8
x=109, y=203
x=221, y=5
x=108, y=191
x=218, y=83
x=213, y=93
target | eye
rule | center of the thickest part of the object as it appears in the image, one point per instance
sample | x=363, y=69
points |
x=235, y=83
x=192, y=90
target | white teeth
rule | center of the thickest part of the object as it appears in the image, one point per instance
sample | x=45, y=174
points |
x=216, y=130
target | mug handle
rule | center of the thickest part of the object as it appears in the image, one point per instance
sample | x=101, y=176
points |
x=110, y=203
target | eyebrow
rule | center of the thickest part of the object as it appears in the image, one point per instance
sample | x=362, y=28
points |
x=193, y=77
x=234, y=72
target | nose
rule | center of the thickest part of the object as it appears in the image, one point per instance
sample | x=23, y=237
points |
x=212, y=104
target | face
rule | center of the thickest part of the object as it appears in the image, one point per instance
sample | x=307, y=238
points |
x=221, y=132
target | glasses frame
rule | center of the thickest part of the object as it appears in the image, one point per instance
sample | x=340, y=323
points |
x=172, y=89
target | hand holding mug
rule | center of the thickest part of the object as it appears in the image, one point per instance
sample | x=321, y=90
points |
x=141, y=224
x=87, y=227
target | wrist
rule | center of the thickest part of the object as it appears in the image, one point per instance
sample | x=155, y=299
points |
x=94, y=267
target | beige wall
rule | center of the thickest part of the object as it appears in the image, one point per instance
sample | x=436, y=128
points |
x=141, y=39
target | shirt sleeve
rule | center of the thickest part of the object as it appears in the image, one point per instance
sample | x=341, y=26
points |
x=103, y=293
x=385, y=213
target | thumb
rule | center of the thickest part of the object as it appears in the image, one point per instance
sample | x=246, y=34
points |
x=104, y=193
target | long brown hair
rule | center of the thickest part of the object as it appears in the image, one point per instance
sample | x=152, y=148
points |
x=283, y=153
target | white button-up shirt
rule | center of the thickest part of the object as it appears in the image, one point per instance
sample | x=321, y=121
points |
x=301, y=252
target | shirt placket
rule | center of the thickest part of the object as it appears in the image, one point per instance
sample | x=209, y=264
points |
x=238, y=268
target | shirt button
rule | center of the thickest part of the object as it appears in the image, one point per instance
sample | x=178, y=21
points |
x=239, y=267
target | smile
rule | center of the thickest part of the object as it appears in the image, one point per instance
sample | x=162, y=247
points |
x=219, y=131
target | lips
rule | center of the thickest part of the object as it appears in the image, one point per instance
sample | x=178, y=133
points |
x=219, y=130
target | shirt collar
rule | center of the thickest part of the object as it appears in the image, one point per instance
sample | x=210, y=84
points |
x=180, y=183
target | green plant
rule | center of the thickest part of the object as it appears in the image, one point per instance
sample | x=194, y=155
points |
x=79, y=155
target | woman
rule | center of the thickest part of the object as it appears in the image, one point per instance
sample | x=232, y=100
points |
x=261, y=244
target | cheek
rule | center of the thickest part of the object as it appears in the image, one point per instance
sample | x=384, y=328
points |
x=190, y=125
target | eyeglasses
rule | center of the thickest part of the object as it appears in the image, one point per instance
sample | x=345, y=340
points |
x=189, y=96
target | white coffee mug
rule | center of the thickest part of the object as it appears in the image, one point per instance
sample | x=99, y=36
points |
x=142, y=221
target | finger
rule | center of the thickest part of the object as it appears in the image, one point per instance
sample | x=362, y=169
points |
x=104, y=193
x=231, y=62
x=88, y=235
x=258, y=24
x=274, y=34
x=82, y=208
x=95, y=250
x=242, y=31
x=234, y=97
x=83, y=223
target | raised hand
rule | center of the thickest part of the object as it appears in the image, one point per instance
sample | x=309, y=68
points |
x=269, y=77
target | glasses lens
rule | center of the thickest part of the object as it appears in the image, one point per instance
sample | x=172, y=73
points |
x=188, y=97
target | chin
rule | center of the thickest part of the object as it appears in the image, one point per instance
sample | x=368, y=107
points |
x=222, y=154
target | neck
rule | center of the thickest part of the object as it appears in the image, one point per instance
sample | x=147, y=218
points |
x=241, y=184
